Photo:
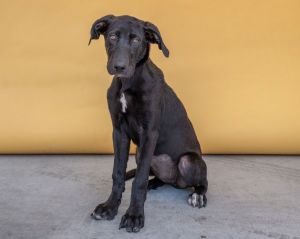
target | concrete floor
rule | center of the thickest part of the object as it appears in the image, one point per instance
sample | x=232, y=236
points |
x=45, y=197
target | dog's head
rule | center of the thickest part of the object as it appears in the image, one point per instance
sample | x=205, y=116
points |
x=127, y=41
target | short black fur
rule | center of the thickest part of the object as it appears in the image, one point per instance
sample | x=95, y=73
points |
x=146, y=111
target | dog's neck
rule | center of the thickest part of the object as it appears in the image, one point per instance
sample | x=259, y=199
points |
x=144, y=74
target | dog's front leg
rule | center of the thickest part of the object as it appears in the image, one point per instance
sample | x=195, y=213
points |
x=133, y=220
x=109, y=209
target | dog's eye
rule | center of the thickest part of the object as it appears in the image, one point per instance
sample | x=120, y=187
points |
x=113, y=37
x=135, y=40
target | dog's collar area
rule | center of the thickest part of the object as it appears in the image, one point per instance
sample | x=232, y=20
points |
x=126, y=84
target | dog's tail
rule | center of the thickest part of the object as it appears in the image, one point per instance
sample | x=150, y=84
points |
x=130, y=174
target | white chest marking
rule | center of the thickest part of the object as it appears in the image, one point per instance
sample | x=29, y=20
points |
x=123, y=102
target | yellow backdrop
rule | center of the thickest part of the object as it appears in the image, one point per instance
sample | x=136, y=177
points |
x=235, y=65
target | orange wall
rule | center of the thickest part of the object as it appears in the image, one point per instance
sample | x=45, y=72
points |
x=235, y=65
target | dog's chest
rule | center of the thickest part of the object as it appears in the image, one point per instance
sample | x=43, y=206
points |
x=123, y=102
x=128, y=104
x=130, y=109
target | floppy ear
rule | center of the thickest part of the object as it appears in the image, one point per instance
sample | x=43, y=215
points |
x=153, y=36
x=100, y=26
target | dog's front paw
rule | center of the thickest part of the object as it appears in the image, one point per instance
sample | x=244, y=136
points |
x=197, y=200
x=132, y=223
x=105, y=211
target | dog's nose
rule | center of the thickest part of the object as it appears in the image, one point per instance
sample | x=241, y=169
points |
x=119, y=67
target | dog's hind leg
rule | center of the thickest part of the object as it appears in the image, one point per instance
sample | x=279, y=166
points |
x=130, y=174
x=154, y=183
x=193, y=173
x=164, y=169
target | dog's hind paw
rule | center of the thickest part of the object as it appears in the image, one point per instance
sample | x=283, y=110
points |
x=197, y=200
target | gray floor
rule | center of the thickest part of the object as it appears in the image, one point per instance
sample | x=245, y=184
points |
x=52, y=196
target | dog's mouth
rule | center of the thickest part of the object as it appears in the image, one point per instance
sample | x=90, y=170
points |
x=123, y=75
x=120, y=75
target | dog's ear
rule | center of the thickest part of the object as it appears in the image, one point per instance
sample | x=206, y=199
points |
x=153, y=36
x=100, y=26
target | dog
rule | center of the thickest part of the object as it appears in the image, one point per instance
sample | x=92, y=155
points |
x=145, y=110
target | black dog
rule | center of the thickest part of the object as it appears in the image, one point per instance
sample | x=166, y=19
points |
x=146, y=110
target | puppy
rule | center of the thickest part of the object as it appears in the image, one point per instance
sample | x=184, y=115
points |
x=145, y=110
